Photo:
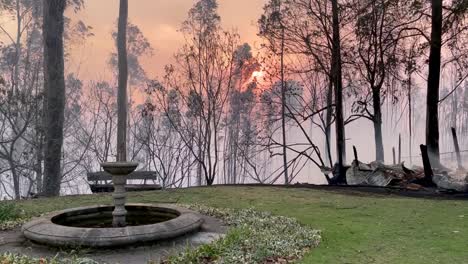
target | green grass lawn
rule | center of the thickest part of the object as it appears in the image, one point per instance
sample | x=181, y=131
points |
x=355, y=228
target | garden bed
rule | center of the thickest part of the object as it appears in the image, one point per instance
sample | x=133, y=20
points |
x=253, y=237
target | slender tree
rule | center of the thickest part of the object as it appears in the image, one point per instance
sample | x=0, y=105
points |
x=203, y=77
x=310, y=37
x=54, y=86
x=411, y=67
x=123, y=78
x=283, y=102
x=337, y=81
x=378, y=34
x=239, y=130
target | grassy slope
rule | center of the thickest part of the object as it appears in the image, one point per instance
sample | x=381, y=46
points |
x=356, y=229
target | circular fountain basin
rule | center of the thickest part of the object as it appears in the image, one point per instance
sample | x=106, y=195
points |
x=92, y=226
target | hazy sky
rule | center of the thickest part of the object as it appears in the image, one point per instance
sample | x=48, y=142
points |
x=159, y=20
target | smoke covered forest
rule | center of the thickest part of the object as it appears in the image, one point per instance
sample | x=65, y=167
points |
x=385, y=76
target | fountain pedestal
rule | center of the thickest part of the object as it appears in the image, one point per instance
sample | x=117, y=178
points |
x=119, y=172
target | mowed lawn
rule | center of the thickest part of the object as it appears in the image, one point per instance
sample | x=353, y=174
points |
x=355, y=228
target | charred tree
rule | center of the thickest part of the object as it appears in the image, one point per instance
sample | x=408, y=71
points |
x=457, y=148
x=428, y=172
x=328, y=124
x=338, y=85
x=433, y=82
x=399, y=149
x=355, y=155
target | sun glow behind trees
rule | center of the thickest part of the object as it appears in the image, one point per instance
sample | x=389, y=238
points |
x=258, y=74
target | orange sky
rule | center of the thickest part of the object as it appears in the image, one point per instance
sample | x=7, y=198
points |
x=159, y=20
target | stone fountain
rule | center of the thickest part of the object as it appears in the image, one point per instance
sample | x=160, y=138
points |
x=119, y=172
x=110, y=226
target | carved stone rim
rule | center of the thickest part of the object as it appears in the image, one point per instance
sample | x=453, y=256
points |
x=43, y=230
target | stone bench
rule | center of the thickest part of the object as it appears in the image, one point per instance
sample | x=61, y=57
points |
x=102, y=181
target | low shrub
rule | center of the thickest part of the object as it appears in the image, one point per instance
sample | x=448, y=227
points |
x=10, y=216
x=9, y=211
x=254, y=237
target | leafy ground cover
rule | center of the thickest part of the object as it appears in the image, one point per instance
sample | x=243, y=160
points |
x=7, y=258
x=355, y=227
x=11, y=215
x=253, y=237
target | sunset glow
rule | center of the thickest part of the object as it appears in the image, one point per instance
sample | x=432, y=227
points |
x=258, y=74
x=160, y=22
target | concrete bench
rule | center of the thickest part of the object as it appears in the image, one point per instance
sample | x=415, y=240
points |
x=102, y=181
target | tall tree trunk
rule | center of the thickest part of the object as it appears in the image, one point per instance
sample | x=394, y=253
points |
x=454, y=114
x=54, y=86
x=328, y=124
x=338, y=84
x=17, y=47
x=122, y=100
x=16, y=179
x=38, y=164
x=283, y=112
x=40, y=122
x=377, y=121
x=200, y=155
x=410, y=118
x=17, y=147
x=433, y=82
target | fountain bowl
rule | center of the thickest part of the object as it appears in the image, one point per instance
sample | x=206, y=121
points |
x=92, y=226
x=119, y=168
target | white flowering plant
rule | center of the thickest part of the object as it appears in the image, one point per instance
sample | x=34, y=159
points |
x=254, y=237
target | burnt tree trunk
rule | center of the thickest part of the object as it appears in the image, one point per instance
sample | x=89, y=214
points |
x=457, y=148
x=399, y=149
x=54, y=86
x=428, y=173
x=410, y=119
x=328, y=124
x=356, y=159
x=433, y=81
x=338, y=85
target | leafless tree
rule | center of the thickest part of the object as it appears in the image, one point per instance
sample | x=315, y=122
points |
x=203, y=78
